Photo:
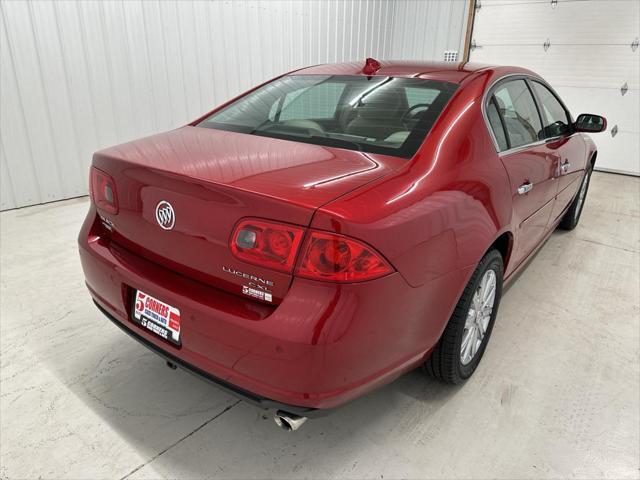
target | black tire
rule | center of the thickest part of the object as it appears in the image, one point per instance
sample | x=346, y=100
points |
x=572, y=216
x=445, y=362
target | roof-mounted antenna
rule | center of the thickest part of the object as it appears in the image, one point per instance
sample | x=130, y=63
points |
x=371, y=66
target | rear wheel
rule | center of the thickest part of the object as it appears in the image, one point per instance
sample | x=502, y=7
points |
x=572, y=216
x=458, y=353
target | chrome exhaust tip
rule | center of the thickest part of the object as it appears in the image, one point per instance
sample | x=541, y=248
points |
x=288, y=421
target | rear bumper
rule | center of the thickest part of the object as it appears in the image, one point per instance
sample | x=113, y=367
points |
x=249, y=397
x=324, y=345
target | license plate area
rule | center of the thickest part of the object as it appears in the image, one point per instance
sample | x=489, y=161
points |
x=157, y=317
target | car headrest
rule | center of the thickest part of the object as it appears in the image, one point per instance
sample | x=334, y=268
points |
x=385, y=103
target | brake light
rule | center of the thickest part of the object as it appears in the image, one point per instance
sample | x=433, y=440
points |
x=103, y=191
x=326, y=256
x=267, y=244
x=336, y=258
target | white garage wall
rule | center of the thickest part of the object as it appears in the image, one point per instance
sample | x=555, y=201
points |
x=426, y=29
x=588, y=59
x=77, y=76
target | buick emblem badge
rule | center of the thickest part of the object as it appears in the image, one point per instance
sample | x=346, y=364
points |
x=165, y=216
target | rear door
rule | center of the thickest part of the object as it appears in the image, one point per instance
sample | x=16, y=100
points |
x=567, y=148
x=532, y=170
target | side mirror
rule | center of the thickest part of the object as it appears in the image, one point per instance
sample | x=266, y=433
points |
x=590, y=123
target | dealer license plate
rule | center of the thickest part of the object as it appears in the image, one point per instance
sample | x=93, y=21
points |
x=157, y=317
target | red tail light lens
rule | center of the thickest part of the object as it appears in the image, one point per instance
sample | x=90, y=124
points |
x=326, y=256
x=336, y=258
x=267, y=244
x=103, y=191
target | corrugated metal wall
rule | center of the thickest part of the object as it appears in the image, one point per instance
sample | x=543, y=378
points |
x=77, y=76
x=426, y=29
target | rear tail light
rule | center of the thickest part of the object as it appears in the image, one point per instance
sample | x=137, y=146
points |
x=103, y=191
x=325, y=256
x=267, y=244
x=336, y=258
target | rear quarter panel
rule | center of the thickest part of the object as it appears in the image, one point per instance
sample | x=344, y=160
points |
x=439, y=214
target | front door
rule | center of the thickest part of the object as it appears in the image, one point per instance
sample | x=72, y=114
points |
x=566, y=147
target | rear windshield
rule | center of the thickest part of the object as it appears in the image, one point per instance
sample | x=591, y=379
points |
x=384, y=115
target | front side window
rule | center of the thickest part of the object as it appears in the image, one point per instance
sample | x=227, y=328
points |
x=385, y=115
x=557, y=121
x=519, y=113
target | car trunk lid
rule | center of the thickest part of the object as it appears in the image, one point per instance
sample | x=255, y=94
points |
x=214, y=178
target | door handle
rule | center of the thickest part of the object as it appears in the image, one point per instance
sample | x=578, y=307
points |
x=524, y=188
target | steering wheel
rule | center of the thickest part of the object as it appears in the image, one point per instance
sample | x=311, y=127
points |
x=409, y=116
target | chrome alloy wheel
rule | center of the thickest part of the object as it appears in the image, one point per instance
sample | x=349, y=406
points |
x=478, y=317
x=581, y=195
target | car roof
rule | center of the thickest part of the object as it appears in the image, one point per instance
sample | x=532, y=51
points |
x=446, y=71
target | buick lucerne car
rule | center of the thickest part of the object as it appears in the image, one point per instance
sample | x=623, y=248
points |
x=329, y=230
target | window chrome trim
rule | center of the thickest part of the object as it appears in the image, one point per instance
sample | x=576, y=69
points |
x=483, y=107
x=521, y=147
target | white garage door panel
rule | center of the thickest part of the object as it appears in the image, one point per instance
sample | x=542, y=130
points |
x=619, y=110
x=622, y=152
x=588, y=59
x=618, y=154
x=570, y=65
x=514, y=21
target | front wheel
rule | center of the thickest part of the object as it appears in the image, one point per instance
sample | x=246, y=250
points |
x=572, y=216
x=458, y=353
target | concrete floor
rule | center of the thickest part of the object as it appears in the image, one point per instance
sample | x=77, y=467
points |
x=556, y=395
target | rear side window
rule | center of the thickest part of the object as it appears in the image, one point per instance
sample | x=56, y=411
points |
x=496, y=125
x=556, y=118
x=519, y=113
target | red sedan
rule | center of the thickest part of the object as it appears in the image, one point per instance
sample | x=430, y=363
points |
x=333, y=228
